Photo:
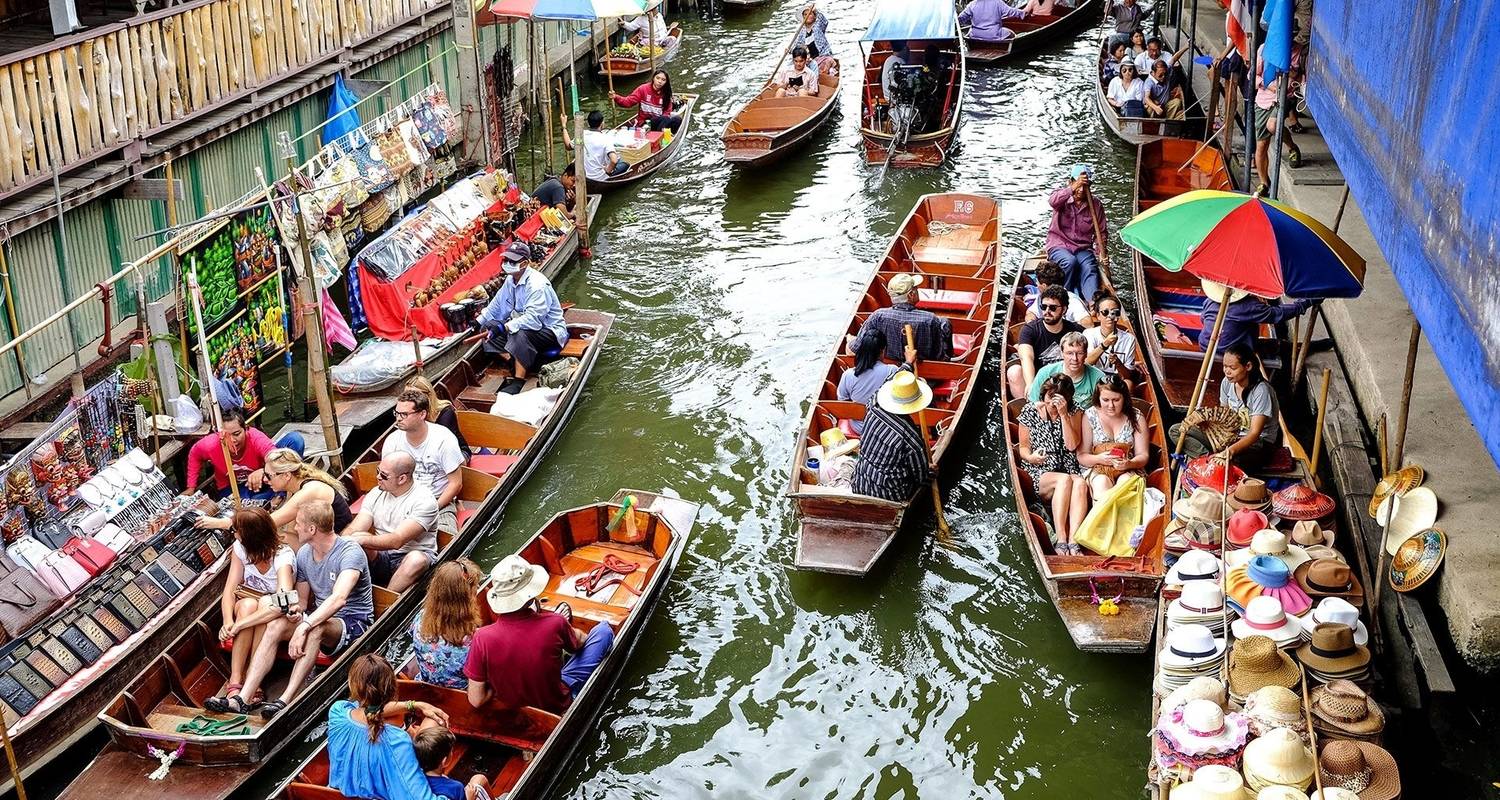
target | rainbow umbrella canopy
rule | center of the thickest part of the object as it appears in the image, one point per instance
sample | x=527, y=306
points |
x=568, y=9
x=1261, y=246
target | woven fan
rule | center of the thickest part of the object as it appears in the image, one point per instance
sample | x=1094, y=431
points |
x=1220, y=425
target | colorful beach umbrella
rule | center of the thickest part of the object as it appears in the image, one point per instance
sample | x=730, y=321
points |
x=1251, y=243
x=568, y=9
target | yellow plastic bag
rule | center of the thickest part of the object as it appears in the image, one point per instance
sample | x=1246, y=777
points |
x=1110, y=523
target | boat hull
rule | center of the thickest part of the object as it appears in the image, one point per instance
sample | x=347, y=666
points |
x=649, y=166
x=1032, y=34
x=925, y=149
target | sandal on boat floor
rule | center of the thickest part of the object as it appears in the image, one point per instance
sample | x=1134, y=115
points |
x=271, y=709
x=230, y=704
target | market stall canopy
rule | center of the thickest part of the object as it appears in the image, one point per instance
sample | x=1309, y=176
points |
x=569, y=9
x=1261, y=246
x=912, y=19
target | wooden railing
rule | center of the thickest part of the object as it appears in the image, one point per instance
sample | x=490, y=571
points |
x=85, y=95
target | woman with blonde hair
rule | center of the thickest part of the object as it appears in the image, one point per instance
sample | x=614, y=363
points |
x=440, y=411
x=301, y=483
x=442, y=631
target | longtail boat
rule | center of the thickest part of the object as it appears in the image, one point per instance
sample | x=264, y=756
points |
x=953, y=241
x=1076, y=582
x=1138, y=130
x=169, y=692
x=915, y=128
x=648, y=166
x=741, y=5
x=625, y=66
x=523, y=751
x=1033, y=32
x=768, y=127
x=1169, y=304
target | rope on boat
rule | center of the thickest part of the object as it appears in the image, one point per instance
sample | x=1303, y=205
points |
x=940, y=228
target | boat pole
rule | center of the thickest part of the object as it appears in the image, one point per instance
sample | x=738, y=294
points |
x=1203, y=370
x=1253, y=81
x=1280, y=120
x=182, y=314
x=1088, y=197
x=580, y=186
x=944, y=533
x=1398, y=450
x=547, y=98
x=1312, y=736
x=651, y=44
x=1192, y=38
x=10, y=758
x=215, y=413
x=1312, y=461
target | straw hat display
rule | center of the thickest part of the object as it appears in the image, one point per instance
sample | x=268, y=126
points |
x=1342, y=710
x=1319, y=552
x=1308, y=532
x=1251, y=494
x=1255, y=662
x=1195, y=565
x=1406, y=515
x=1213, y=782
x=1331, y=654
x=1335, y=610
x=1264, y=617
x=1275, y=707
x=1209, y=472
x=1418, y=559
x=1329, y=578
x=1242, y=526
x=1397, y=483
x=1269, y=542
x=1266, y=575
x=1300, y=501
x=1211, y=689
x=1363, y=768
x=1201, y=728
x=1279, y=758
x=1201, y=603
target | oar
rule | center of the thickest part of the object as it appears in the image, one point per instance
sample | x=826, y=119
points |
x=898, y=140
x=1088, y=197
x=945, y=534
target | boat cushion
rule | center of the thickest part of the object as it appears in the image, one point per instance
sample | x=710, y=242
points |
x=962, y=343
x=944, y=389
x=356, y=505
x=495, y=464
x=946, y=300
x=847, y=426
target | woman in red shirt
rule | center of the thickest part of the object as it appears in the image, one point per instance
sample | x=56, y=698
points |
x=654, y=100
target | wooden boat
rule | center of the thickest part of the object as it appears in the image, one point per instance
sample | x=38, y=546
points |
x=742, y=5
x=1169, y=304
x=769, y=127
x=648, y=166
x=1033, y=33
x=522, y=752
x=170, y=691
x=1073, y=581
x=614, y=66
x=953, y=241
x=926, y=143
x=1137, y=130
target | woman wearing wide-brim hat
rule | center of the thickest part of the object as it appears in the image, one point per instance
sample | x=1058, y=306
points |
x=893, y=462
x=1363, y=768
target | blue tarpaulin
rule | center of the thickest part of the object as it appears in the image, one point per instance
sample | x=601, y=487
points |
x=342, y=115
x=1417, y=146
x=912, y=19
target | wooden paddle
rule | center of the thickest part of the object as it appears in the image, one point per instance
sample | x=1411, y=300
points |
x=945, y=534
x=1088, y=197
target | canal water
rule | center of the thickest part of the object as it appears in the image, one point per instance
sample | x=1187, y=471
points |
x=945, y=673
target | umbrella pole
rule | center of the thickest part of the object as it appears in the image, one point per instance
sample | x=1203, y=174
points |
x=651, y=43
x=1203, y=370
x=1301, y=348
x=1312, y=461
x=1398, y=450
x=547, y=99
x=944, y=533
x=1088, y=196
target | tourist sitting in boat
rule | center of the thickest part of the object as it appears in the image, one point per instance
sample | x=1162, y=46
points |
x=516, y=660
x=1040, y=342
x=860, y=382
x=651, y=22
x=1118, y=53
x=799, y=78
x=1246, y=314
x=654, y=104
x=525, y=318
x=932, y=334
x=893, y=460
x=1048, y=273
x=601, y=158
x=1075, y=349
x=1244, y=389
x=1078, y=225
x=1111, y=347
x=247, y=450
x=1047, y=442
x=1114, y=437
x=262, y=571
x=439, y=461
x=1163, y=98
x=370, y=752
x=1155, y=52
x=442, y=631
x=1137, y=45
x=813, y=33
x=433, y=746
x=336, y=607
x=439, y=410
x=986, y=20
x=1127, y=92
x=397, y=525
x=299, y=483
x=900, y=56
x=1127, y=15
x=557, y=191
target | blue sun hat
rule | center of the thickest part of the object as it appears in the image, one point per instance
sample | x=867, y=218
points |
x=1080, y=169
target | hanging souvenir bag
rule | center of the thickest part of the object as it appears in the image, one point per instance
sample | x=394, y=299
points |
x=444, y=112
x=429, y=126
x=407, y=130
x=393, y=148
x=369, y=161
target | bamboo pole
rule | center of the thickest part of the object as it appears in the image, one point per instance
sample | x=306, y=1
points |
x=945, y=534
x=547, y=98
x=1398, y=450
x=10, y=759
x=1203, y=370
x=215, y=414
x=1088, y=197
x=1384, y=438
x=176, y=260
x=1317, y=448
x=580, y=187
x=651, y=42
x=1300, y=351
x=1312, y=737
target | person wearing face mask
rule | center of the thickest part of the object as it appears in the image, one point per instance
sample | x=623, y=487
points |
x=525, y=318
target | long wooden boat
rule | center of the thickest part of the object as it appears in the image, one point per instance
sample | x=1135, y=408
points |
x=170, y=691
x=768, y=127
x=1137, y=130
x=1169, y=304
x=615, y=66
x=1073, y=581
x=1033, y=32
x=742, y=5
x=522, y=752
x=953, y=241
x=928, y=144
x=648, y=166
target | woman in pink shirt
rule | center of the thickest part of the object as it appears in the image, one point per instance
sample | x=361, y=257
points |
x=653, y=100
x=247, y=449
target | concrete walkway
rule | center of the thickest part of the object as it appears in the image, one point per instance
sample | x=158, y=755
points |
x=1372, y=335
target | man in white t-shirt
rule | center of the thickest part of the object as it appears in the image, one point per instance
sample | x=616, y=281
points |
x=1155, y=51
x=397, y=525
x=434, y=449
x=601, y=159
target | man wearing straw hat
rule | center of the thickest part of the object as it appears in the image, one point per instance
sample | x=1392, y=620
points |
x=893, y=462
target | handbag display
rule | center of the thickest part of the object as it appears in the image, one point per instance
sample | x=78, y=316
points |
x=91, y=554
x=24, y=600
x=116, y=539
x=27, y=552
x=52, y=534
x=61, y=574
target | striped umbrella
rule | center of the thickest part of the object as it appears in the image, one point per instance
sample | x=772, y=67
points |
x=1261, y=246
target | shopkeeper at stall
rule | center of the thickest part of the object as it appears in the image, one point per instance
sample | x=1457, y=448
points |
x=525, y=319
x=557, y=192
x=247, y=449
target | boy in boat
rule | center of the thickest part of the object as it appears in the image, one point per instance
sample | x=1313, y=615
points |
x=799, y=78
x=932, y=334
x=986, y=20
x=525, y=318
x=1078, y=224
x=601, y=159
x=432, y=746
x=397, y=525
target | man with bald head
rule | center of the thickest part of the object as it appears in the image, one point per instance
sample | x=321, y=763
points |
x=397, y=524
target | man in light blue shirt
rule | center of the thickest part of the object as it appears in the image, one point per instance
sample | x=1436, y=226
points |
x=525, y=318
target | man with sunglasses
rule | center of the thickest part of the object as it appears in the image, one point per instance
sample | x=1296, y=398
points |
x=397, y=525
x=1040, y=342
x=435, y=451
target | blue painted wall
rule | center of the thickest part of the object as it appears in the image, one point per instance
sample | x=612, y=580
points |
x=1408, y=96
